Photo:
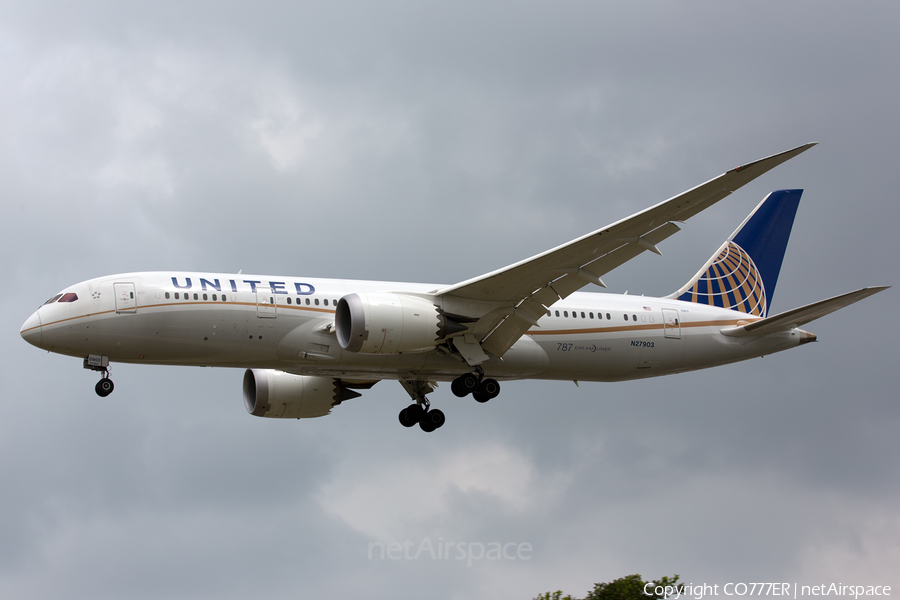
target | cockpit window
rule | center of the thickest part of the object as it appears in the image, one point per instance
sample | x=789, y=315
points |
x=70, y=297
x=53, y=299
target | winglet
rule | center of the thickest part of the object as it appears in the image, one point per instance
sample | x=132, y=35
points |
x=778, y=159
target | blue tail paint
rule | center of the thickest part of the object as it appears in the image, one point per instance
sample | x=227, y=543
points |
x=743, y=273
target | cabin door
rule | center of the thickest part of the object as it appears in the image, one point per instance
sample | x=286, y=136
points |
x=126, y=303
x=265, y=303
x=671, y=323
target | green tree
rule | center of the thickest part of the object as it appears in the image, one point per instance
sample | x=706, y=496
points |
x=557, y=595
x=630, y=587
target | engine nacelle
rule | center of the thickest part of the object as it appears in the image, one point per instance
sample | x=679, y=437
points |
x=388, y=323
x=276, y=394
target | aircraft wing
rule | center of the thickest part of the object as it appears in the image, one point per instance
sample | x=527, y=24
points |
x=800, y=316
x=526, y=288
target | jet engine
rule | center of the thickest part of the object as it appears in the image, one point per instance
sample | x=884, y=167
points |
x=276, y=394
x=388, y=323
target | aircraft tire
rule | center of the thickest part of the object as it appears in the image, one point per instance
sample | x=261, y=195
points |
x=404, y=420
x=415, y=412
x=104, y=387
x=490, y=388
x=465, y=384
x=433, y=419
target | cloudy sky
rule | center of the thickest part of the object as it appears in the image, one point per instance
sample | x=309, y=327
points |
x=423, y=141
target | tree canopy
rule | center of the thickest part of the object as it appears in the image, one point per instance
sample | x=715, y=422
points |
x=630, y=587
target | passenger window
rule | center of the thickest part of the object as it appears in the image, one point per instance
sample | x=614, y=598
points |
x=582, y=315
x=607, y=316
x=307, y=301
x=565, y=313
x=205, y=297
x=326, y=301
x=548, y=313
x=223, y=297
x=626, y=317
x=317, y=301
x=557, y=313
x=177, y=296
x=633, y=317
x=289, y=300
x=167, y=295
x=214, y=298
x=70, y=297
x=591, y=315
x=196, y=297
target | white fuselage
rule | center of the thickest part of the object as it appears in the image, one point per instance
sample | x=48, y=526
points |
x=287, y=323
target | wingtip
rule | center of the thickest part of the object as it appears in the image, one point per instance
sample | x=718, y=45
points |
x=774, y=160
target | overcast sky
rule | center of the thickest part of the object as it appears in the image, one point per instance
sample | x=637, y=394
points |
x=418, y=141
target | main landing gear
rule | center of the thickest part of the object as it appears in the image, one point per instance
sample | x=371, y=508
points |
x=420, y=411
x=429, y=419
x=474, y=383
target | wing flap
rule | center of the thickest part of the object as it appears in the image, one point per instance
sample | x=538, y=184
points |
x=523, y=318
x=802, y=315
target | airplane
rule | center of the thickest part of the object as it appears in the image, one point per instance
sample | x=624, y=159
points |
x=308, y=344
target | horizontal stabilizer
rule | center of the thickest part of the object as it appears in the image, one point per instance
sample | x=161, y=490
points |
x=800, y=316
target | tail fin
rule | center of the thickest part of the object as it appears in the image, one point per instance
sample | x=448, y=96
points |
x=743, y=273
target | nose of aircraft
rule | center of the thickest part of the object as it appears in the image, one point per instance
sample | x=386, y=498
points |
x=31, y=330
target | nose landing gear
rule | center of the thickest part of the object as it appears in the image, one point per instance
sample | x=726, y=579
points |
x=95, y=362
x=105, y=386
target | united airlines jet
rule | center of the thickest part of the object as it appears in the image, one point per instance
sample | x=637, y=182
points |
x=308, y=345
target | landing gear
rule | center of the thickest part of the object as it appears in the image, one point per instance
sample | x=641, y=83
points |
x=411, y=415
x=428, y=419
x=464, y=385
x=104, y=387
x=433, y=419
x=96, y=362
x=487, y=389
x=420, y=411
x=481, y=389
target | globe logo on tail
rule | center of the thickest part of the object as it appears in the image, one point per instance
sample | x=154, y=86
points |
x=731, y=281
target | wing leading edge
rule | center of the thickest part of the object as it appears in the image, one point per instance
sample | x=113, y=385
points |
x=518, y=295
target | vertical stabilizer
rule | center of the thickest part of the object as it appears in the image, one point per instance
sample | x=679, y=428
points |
x=743, y=273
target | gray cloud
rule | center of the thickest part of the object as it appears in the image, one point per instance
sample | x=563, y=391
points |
x=421, y=142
